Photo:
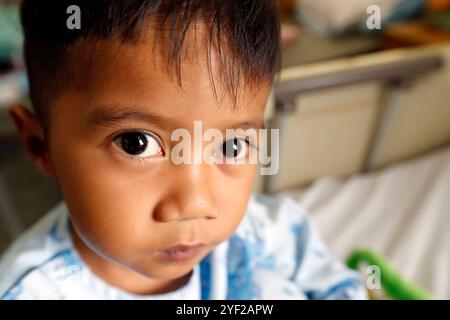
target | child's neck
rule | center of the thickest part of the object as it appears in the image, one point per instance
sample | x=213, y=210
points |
x=121, y=277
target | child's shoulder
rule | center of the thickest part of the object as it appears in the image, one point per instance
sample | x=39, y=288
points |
x=24, y=259
x=273, y=227
x=277, y=253
x=267, y=215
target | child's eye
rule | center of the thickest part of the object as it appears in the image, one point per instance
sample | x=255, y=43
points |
x=138, y=144
x=235, y=148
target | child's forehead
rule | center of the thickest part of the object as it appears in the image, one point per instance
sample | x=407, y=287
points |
x=130, y=81
x=154, y=48
x=108, y=68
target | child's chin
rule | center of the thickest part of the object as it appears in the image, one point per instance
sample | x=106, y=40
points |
x=169, y=272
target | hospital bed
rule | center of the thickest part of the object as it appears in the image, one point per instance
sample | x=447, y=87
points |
x=365, y=148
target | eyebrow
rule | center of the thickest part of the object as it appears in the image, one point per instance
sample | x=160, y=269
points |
x=249, y=125
x=110, y=116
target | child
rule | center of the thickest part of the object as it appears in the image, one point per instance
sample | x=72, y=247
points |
x=107, y=92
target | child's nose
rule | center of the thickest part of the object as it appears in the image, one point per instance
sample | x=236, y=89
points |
x=190, y=197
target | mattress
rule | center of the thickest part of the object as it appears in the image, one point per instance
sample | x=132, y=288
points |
x=402, y=212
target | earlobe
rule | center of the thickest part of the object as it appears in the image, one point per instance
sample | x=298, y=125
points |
x=32, y=138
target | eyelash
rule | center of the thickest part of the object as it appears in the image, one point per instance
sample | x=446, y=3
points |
x=145, y=160
x=138, y=160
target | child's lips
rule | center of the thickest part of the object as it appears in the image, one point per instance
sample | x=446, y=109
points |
x=181, y=253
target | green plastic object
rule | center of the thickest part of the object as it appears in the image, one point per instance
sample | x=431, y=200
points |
x=394, y=286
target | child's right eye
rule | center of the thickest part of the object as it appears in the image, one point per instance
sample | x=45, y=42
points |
x=138, y=144
x=235, y=148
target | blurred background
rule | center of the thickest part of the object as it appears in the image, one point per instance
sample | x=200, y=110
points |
x=364, y=117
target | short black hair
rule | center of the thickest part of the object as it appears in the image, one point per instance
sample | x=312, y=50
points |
x=245, y=32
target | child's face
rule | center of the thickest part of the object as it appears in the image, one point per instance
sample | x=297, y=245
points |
x=128, y=208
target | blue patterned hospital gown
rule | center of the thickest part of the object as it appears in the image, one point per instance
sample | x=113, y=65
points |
x=274, y=254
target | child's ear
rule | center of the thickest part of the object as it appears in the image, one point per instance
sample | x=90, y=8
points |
x=32, y=138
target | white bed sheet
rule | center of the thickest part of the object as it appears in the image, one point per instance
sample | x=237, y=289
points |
x=402, y=212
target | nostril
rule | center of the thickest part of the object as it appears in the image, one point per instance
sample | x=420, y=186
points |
x=176, y=208
x=212, y=215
